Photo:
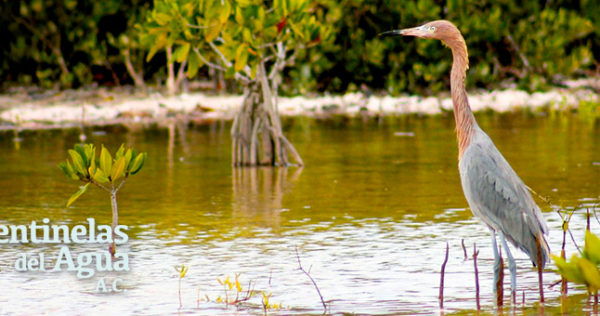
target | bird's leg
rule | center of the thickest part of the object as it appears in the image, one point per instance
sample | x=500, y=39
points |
x=512, y=267
x=497, y=265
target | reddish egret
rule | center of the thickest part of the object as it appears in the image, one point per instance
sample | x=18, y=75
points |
x=493, y=190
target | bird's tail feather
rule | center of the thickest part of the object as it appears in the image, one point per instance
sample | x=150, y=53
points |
x=542, y=249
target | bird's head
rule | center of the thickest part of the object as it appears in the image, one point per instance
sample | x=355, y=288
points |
x=441, y=29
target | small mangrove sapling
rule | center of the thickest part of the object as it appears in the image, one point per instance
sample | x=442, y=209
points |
x=182, y=270
x=106, y=172
x=585, y=268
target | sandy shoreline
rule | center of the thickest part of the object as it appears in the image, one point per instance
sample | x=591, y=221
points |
x=104, y=107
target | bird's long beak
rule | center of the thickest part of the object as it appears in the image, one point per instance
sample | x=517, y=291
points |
x=414, y=31
x=391, y=33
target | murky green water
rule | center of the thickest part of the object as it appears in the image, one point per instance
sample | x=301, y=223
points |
x=370, y=214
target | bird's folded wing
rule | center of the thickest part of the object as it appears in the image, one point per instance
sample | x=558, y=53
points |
x=498, y=196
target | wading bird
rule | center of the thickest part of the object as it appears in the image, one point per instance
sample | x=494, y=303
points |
x=492, y=188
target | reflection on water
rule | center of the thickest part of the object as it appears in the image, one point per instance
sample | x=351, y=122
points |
x=258, y=194
x=371, y=213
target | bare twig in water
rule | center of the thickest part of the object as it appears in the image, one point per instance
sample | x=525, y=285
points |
x=475, y=254
x=307, y=273
x=441, y=297
x=587, y=227
x=554, y=284
x=558, y=211
x=567, y=220
x=500, y=283
x=462, y=242
x=180, y=303
x=563, y=281
x=595, y=214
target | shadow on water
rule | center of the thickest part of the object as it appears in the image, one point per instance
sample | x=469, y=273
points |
x=371, y=212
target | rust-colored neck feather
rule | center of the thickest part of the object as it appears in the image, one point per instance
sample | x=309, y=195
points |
x=465, y=121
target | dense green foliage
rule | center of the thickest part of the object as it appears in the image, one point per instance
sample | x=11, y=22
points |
x=235, y=38
x=54, y=43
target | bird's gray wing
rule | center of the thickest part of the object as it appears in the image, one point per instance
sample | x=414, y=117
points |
x=499, y=197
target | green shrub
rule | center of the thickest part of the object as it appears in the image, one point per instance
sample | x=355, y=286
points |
x=531, y=44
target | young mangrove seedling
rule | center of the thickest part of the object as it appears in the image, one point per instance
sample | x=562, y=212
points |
x=182, y=269
x=107, y=173
x=585, y=268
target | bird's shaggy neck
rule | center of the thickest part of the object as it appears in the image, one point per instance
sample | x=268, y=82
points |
x=465, y=121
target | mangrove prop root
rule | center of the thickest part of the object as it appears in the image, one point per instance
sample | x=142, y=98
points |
x=256, y=130
x=443, y=271
x=500, y=284
x=475, y=254
x=564, y=288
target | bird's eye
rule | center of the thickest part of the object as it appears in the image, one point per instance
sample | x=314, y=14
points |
x=432, y=28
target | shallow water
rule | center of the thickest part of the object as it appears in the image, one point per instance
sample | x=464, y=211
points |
x=370, y=215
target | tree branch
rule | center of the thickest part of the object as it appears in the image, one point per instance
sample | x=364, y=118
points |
x=99, y=185
x=237, y=76
x=312, y=280
x=223, y=58
x=180, y=73
x=121, y=184
x=208, y=63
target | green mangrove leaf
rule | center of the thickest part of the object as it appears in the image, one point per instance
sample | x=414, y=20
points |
x=590, y=273
x=183, y=271
x=138, y=163
x=118, y=169
x=194, y=63
x=100, y=176
x=68, y=170
x=181, y=52
x=77, y=194
x=78, y=163
x=105, y=160
x=79, y=149
x=120, y=152
x=162, y=18
x=89, y=151
x=92, y=167
x=241, y=57
x=128, y=159
x=239, y=17
x=224, y=12
x=214, y=28
x=591, y=250
x=569, y=270
x=75, y=176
